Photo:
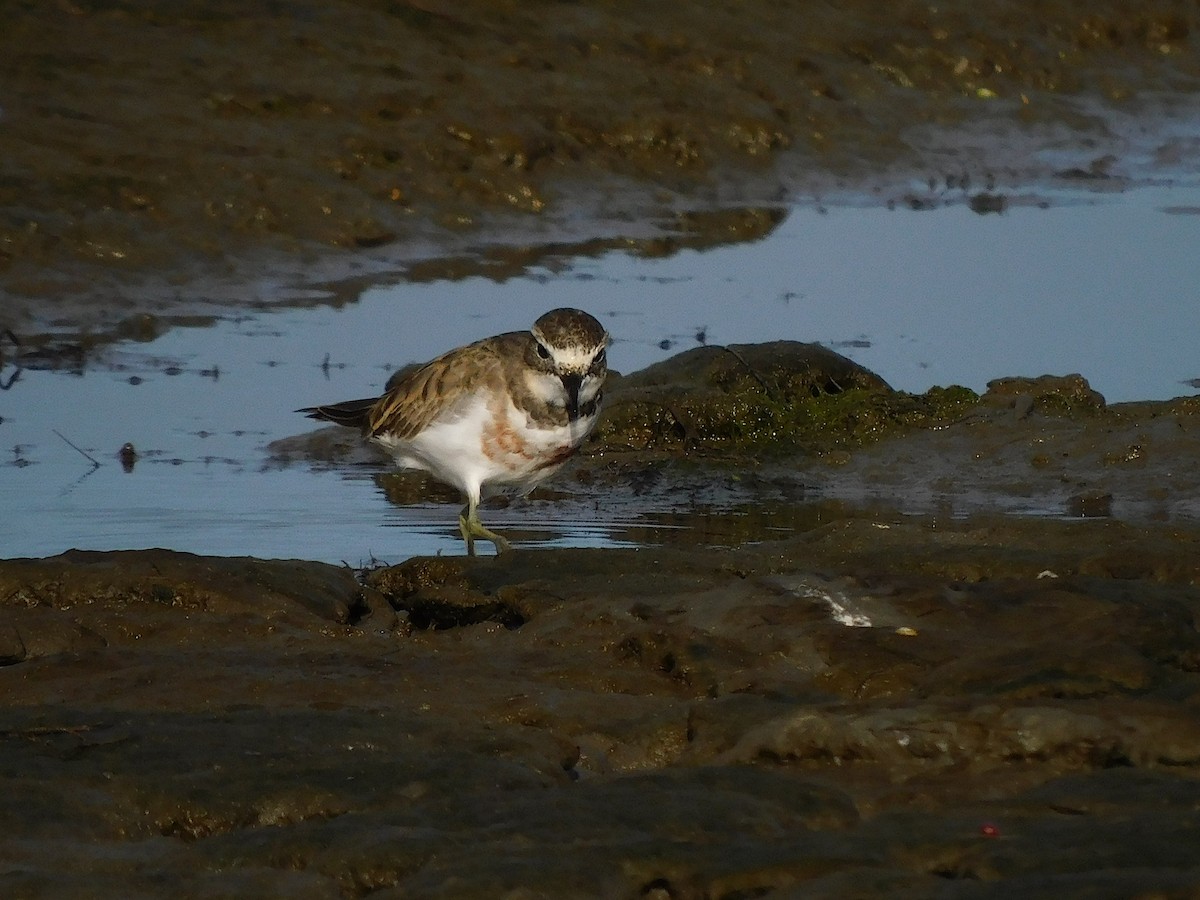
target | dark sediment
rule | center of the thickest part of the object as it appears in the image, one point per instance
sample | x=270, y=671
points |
x=911, y=699
x=883, y=705
x=873, y=708
x=175, y=158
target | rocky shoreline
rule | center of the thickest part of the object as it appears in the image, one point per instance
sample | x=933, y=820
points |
x=906, y=708
x=181, y=160
x=911, y=699
x=920, y=695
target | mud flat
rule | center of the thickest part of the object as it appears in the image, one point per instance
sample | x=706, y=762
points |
x=878, y=708
x=921, y=701
x=181, y=159
x=916, y=697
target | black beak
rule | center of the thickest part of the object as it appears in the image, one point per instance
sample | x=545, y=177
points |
x=572, y=384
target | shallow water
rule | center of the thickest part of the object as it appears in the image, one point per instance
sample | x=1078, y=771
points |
x=1103, y=284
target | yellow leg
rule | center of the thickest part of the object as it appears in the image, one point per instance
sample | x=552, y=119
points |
x=471, y=528
x=466, y=532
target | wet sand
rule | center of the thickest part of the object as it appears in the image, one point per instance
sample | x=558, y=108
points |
x=918, y=697
x=180, y=159
x=879, y=708
x=914, y=697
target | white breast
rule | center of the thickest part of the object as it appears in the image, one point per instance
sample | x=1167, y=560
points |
x=485, y=448
x=449, y=448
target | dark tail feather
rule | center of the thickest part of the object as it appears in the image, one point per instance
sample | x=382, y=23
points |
x=350, y=412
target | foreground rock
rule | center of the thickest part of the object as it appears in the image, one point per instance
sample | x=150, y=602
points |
x=899, y=708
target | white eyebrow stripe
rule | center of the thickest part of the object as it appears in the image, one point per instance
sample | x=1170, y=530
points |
x=573, y=357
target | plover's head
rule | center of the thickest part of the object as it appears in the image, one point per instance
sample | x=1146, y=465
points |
x=568, y=345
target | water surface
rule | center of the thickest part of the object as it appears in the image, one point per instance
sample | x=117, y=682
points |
x=1103, y=284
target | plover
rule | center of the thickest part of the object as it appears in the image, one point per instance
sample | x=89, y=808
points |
x=493, y=417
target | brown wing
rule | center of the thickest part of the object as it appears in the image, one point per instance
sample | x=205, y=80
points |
x=349, y=412
x=419, y=397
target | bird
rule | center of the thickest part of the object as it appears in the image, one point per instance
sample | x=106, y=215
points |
x=497, y=416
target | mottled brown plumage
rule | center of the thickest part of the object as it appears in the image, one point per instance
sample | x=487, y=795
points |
x=416, y=399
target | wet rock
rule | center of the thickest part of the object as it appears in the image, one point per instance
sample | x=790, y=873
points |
x=798, y=717
x=12, y=648
x=776, y=397
x=984, y=737
x=1050, y=394
x=32, y=632
x=782, y=368
x=435, y=593
x=155, y=581
x=1090, y=505
x=667, y=814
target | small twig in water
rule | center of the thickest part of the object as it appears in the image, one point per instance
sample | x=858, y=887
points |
x=12, y=379
x=86, y=455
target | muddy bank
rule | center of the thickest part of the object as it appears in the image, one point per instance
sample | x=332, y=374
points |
x=902, y=708
x=914, y=697
x=174, y=159
x=886, y=704
x=804, y=417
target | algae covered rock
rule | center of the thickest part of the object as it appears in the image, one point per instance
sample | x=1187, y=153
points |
x=774, y=397
x=1052, y=394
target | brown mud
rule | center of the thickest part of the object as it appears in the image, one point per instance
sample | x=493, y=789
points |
x=177, y=159
x=950, y=704
x=901, y=708
x=915, y=697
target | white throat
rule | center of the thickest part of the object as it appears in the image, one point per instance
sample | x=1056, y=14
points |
x=549, y=388
x=546, y=387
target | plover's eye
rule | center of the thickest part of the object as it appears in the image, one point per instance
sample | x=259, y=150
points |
x=601, y=359
x=543, y=352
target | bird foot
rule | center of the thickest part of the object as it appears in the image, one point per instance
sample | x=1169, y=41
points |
x=472, y=528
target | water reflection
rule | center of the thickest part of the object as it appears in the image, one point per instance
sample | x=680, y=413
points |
x=1103, y=285
x=727, y=527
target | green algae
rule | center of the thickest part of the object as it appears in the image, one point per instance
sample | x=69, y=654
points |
x=1058, y=395
x=767, y=399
